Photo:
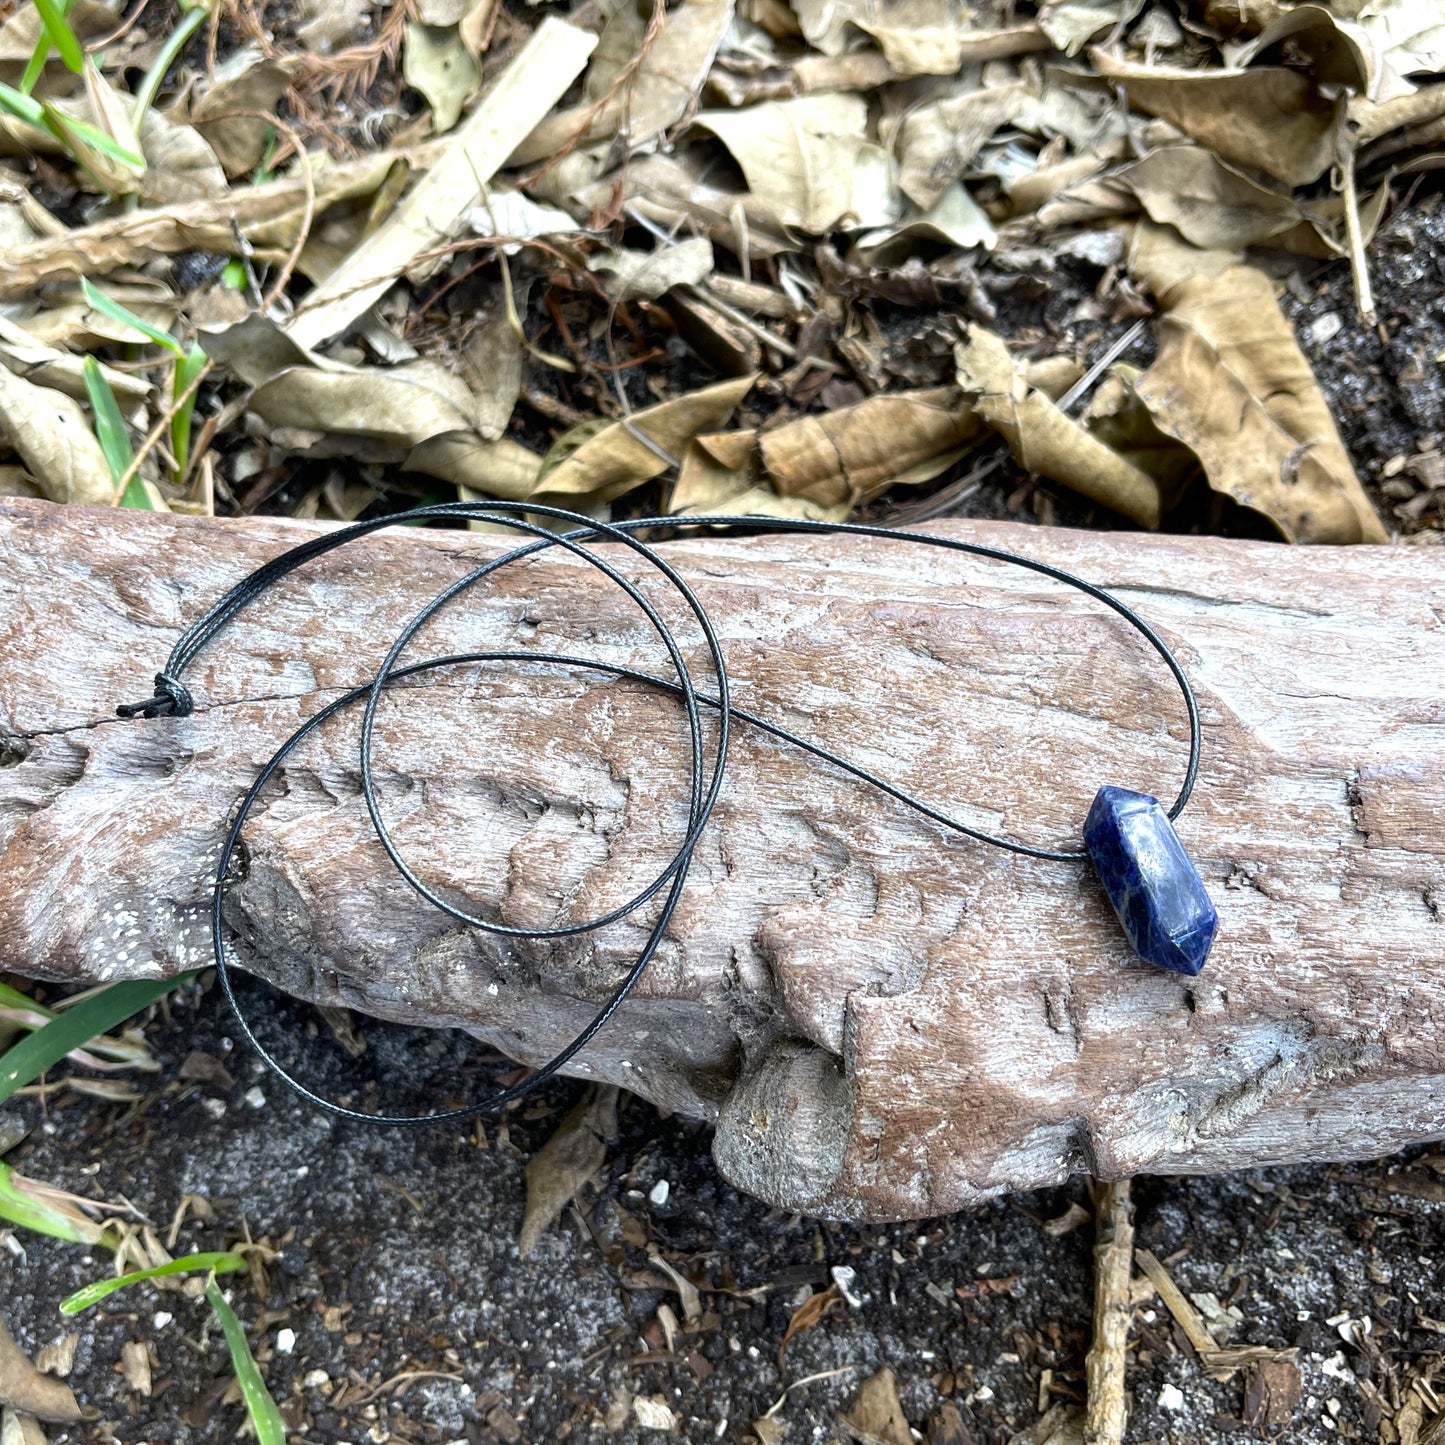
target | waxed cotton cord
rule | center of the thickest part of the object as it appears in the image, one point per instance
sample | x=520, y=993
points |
x=174, y=699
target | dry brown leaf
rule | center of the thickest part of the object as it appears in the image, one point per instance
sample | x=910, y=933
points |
x=650, y=273
x=878, y=1412
x=268, y=215
x=1210, y=203
x=490, y=362
x=439, y=65
x=1118, y=417
x=180, y=165
x=400, y=406
x=614, y=460
x=1231, y=383
x=479, y=469
x=1367, y=48
x=1071, y=24
x=25, y=1388
x=89, y=19
x=1046, y=441
x=246, y=80
x=531, y=84
x=809, y=161
x=940, y=139
x=955, y=219
x=1269, y=117
x=807, y=1316
x=23, y=354
x=1160, y=257
x=662, y=91
x=19, y=1428
x=850, y=455
x=674, y=191
x=719, y=477
x=52, y=436
x=572, y=1156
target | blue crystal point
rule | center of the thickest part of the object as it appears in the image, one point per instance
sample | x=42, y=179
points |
x=1151, y=881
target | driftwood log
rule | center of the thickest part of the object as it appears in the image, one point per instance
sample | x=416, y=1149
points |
x=884, y=1021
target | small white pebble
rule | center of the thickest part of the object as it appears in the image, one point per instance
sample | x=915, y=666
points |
x=1301, y=1315
x=1171, y=1397
x=254, y=1098
x=845, y=1276
x=285, y=1341
x=984, y=1392
x=314, y=1379
x=216, y=1108
x=162, y=1319
x=659, y=1192
x=1325, y=328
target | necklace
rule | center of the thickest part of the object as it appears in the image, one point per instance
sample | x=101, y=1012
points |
x=1149, y=879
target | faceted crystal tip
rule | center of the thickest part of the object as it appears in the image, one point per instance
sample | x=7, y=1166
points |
x=1151, y=881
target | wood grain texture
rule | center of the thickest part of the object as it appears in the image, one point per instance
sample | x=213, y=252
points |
x=884, y=1021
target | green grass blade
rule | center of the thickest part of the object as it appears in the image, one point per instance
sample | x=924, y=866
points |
x=45, y=1048
x=15, y=999
x=62, y=37
x=113, y=437
x=145, y=96
x=265, y=1417
x=36, y=66
x=107, y=307
x=32, y=1211
x=187, y=369
x=109, y=424
x=21, y=106
x=92, y=1294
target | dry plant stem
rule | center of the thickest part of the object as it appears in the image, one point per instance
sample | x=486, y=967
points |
x=138, y=235
x=155, y=434
x=1355, y=238
x=1107, y=1411
x=277, y=288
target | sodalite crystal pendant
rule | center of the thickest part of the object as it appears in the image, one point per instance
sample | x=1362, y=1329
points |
x=1154, y=887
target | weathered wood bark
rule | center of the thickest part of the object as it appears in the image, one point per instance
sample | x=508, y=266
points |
x=884, y=1021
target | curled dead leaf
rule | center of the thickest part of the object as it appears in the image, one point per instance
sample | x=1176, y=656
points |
x=807, y=1316
x=615, y=459
x=25, y=1388
x=1210, y=203
x=1045, y=440
x=663, y=89
x=847, y=456
x=1231, y=383
x=878, y=1412
x=809, y=161
x=246, y=80
x=52, y=436
x=572, y=1156
x=1270, y=117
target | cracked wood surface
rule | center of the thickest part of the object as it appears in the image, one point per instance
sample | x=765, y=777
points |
x=884, y=1021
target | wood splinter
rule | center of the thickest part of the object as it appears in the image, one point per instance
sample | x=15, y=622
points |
x=1104, y=1369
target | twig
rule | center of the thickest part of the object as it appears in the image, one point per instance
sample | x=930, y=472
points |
x=156, y=433
x=1359, y=265
x=1105, y=1366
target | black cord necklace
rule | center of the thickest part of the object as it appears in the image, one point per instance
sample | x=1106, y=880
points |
x=1151, y=882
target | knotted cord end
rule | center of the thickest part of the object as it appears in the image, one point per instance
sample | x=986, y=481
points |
x=172, y=699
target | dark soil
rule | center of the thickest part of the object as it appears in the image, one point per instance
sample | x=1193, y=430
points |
x=414, y=1318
